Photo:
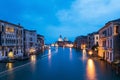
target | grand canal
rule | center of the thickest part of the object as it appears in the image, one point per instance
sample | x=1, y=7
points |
x=59, y=64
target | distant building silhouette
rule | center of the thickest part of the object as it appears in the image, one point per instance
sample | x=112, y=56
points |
x=60, y=38
x=64, y=42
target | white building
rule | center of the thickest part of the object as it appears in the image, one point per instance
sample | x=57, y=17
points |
x=109, y=43
x=11, y=40
x=30, y=41
x=60, y=38
x=93, y=39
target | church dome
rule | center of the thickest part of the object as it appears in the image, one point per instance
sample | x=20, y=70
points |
x=65, y=39
x=60, y=38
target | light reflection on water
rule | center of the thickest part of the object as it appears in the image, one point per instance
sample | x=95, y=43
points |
x=49, y=54
x=70, y=54
x=84, y=56
x=56, y=50
x=33, y=58
x=49, y=57
x=33, y=62
x=9, y=66
x=90, y=70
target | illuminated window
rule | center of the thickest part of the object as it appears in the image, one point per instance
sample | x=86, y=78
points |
x=9, y=29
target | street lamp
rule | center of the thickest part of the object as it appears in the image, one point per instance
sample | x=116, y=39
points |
x=90, y=53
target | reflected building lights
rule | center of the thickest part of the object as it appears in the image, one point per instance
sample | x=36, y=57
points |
x=70, y=54
x=84, y=54
x=9, y=66
x=33, y=58
x=33, y=61
x=56, y=50
x=49, y=57
x=90, y=70
x=49, y=54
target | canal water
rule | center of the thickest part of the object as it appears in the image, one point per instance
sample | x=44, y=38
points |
x=59, y=64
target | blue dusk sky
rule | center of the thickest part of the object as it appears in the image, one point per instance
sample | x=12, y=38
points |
x=70, y=18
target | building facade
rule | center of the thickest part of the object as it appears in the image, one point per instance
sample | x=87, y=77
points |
x=40, y=43
x=63, y=42
x=60, y=42
x=11, y=40
x=109, y=42
x=93, y=39
x=30, y=41
x=80, y=42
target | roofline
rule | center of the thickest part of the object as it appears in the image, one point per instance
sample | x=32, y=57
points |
x=117, y=21
x=93, y=33
x=11, y=23
x=106, y=25
x=40, y=35
x=30, y=30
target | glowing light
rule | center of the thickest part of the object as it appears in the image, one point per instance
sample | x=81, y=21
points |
x=91, y=73
x=84, y=54
x=70, y=53
x=10, y=55
x=95, y=49
x=33, y=58
x=83, y=46
x=69, y=45
x=9, y=66
x=84, y=51
x=49, y=54
x=90, y=52
x=33, y=61
x=52, y=45
x=56, y=45
x=49, y=57
x=32, y=50
x=9, y=29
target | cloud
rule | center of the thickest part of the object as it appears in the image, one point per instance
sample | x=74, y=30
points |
x=89, y=13
x=51, y=18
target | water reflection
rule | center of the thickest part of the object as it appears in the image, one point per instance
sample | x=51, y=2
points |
x=84, y=54
x=70, y=54
x=33, y=58
x=9, y=66
x=90, y=70
x=33, y=61
x=63, y=47
x=49, y=57
x=56, y=50
x=49, y=54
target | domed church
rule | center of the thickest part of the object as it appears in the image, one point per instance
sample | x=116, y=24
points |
x=60, y=38
x=63, y=42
